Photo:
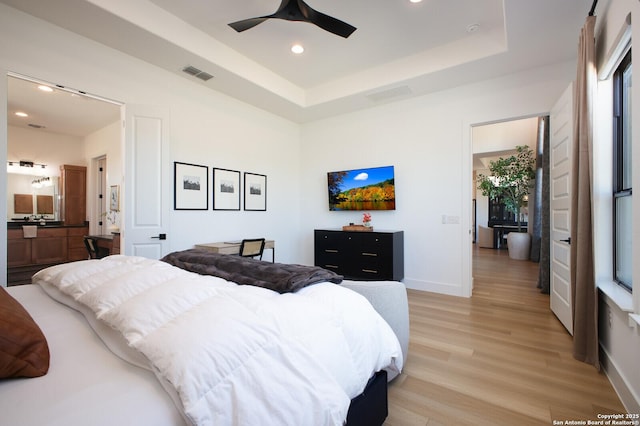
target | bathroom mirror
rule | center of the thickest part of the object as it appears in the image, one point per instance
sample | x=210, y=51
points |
x=34, y=197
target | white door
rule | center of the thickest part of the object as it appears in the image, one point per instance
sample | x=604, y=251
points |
x=561, y=139
x=147, y=186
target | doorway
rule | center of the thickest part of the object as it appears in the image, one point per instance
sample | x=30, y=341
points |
x=58, y=126
x=488, y=143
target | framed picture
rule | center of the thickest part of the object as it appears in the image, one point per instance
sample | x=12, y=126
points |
x=226, y=189
x=190, y=187
x=255, y=192
x=114, y=198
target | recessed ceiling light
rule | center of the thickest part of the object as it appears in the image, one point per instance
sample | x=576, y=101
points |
x=45, y=88
x=297, y=49
x=415, y=1
x=22, y=114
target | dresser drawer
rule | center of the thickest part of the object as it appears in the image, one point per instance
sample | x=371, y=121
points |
x=52, y=232
x=375, y=245
x=330, y=242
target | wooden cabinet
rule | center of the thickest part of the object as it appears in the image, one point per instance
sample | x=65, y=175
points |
x=73, y=190
x=18, y=248
x=116, y=244
x=51, y=246
x=76, y=249
x=361, y=255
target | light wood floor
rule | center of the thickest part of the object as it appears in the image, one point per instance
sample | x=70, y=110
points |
x=498, y=358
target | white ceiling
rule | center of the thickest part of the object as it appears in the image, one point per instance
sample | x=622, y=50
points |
x=400, y=49
x=60, y=111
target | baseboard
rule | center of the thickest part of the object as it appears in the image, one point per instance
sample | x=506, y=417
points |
x=630, y=401
x=448, y=289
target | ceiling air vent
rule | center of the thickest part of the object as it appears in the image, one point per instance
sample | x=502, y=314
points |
x=36, y=126
x=204, y=76
x=385, y=95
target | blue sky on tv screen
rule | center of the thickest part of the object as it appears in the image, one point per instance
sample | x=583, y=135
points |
x=363, y=177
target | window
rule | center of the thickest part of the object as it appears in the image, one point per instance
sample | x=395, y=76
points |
x=622, y=209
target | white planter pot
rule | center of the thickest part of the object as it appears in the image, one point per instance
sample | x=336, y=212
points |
x=519, y=245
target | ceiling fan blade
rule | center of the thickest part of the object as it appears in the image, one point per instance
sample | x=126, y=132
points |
x=331, y=24
x=326, y=22
x=298, y=10
x=245, y=24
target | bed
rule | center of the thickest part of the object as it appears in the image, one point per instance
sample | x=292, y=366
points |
x=139, y=341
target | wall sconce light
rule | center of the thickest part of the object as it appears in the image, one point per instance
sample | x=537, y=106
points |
x=24, y=163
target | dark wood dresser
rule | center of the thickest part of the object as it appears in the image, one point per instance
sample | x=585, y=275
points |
x=369, y=256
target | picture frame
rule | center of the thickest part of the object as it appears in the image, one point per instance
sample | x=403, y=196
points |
x=114, y=198
x=255, y=192
x=190, y=186
x=226, y=189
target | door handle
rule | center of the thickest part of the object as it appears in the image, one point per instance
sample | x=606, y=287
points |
x=161, y=237
x=568, y=241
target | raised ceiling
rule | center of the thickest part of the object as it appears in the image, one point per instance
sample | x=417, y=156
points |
x=400, y=49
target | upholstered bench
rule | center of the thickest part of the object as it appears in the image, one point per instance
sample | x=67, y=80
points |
x=389, y=299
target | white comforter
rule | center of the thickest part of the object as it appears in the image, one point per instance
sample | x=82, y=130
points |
x=237, y=355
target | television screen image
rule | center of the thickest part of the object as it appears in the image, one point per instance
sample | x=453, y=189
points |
x=362, y=189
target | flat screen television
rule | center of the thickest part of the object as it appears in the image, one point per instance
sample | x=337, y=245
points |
x=362, y=189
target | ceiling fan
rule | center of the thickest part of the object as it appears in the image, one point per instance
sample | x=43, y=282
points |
x=298, y=10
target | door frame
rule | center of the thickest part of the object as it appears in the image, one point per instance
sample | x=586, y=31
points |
x=3, y=153
x=98, y=186
x=3, y=175
x=467, y=195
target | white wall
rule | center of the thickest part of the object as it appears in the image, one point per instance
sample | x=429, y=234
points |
x=428, y=141
x=44, y=147
x=505, y=135
x=206, y=128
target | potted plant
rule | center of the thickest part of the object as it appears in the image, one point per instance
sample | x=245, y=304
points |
x=510, y=180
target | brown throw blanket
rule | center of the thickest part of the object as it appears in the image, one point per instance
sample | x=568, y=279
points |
x=280, y=277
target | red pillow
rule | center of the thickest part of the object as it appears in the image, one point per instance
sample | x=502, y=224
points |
x=23, y=348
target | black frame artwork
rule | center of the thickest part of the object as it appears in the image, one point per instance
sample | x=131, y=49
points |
x=255, y=192
x=190, y=186
x=226, y=189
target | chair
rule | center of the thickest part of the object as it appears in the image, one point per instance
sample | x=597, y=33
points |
x=252, y=247
x=485, y=237
x=95, y=251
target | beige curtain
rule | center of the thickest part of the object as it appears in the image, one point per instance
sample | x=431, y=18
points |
x=584, y=292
